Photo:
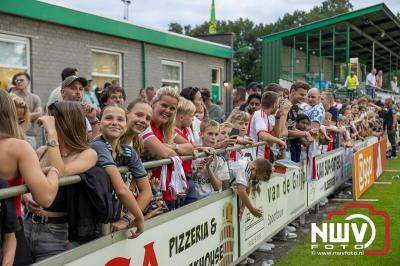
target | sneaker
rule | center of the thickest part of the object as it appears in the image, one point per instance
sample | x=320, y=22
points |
x=281, y=235
x=264, y=248
x=291, y=235
x=392, y=158
x=267, y=263
x=270, y=244
x=290, y=229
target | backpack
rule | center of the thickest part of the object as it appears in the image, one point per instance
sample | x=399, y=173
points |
x=91, y=203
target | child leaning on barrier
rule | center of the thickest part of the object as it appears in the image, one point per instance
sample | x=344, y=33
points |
x=184, y=117
x=247, y=174
x=209, y=172
x=240, y=121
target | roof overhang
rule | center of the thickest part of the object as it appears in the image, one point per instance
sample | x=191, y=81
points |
x=48, y=12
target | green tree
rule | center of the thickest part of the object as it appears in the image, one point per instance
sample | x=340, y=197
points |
x=247, y=65
x=175, y=27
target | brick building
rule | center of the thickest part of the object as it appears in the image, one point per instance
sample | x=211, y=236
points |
x=42, y=39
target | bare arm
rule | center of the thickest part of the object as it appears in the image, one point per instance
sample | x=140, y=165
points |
x=38, y=112
x=83, y=162
x=244, y=198
x=145, y=194
x=43, y=189
x=126, y=197
x=9, y=248
x=185, y=147
x=95, y=131
x=264, y=136
x=157, y=148
x=216, y=183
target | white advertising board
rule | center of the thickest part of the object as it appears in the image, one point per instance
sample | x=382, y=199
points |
x=205, y=236
x=282, y=198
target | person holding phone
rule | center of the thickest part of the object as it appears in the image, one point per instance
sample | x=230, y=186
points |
x=210, y=172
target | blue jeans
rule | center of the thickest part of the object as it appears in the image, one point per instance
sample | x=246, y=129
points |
x=351, y=94
x=192, y=194
x=46, y=240
x=370, y=90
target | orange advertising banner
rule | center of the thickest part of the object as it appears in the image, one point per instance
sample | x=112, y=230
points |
x=380, y=158
x=363, y=171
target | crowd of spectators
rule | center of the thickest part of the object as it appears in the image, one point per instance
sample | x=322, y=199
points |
x=93, y=132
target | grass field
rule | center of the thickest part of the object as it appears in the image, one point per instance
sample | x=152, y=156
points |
x=389, y=197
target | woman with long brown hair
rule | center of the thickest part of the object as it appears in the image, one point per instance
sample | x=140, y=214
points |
x=46, y=229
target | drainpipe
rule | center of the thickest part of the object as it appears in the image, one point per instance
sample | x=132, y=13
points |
x=144, y=65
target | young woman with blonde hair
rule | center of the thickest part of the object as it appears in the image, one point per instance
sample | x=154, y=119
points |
x=160, y=139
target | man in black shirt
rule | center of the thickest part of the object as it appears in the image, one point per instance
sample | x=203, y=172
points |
x=389, y=123
x=298, y=93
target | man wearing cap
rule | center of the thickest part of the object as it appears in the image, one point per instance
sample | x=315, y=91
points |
x=89, y=96
x=55, y=95
x=72, y=90
x=351, y=84
x=253, y=87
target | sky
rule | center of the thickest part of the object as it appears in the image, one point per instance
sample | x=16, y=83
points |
x=158, y=13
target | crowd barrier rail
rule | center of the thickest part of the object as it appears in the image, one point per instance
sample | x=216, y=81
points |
x=209, y=232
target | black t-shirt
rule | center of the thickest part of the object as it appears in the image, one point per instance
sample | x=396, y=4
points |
x=388, y=118
x=8, y=216
x=335, y=113
x=291, y=118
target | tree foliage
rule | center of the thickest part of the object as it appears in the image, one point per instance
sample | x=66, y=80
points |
x=247, y=66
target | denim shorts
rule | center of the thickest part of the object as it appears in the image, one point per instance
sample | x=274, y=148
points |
x=46, y=240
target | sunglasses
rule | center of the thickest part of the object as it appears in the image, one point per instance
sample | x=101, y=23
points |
x=19, y=80
x=53, y=107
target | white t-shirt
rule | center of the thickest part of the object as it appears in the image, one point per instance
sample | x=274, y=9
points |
x=259, y=122
x=240, y=172
x=370, y=80
x=55, y=96
x=202, y=180
x=196, y=130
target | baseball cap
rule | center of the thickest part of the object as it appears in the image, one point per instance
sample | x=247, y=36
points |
x=252, y=85
x=68, y=81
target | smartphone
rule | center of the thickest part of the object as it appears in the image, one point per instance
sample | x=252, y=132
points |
x=234, y=133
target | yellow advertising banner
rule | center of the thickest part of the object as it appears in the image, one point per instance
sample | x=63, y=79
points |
x=363, y=171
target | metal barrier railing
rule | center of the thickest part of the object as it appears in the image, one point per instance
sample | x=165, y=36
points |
x=70, y=180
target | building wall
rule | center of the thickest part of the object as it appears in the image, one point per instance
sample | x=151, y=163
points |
x=196, y=68
x=54, y=47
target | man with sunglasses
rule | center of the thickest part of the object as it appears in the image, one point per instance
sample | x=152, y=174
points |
x=22, y=82
x=72, y=89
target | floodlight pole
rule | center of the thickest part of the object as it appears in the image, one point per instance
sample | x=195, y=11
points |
x=126, y=8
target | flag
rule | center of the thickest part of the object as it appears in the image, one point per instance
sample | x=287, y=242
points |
x=213, y=23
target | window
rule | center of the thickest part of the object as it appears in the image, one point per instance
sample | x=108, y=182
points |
x=171, y=74
x=215, y=77
x=216, y=84
x=14, y=58
x=106, y=67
